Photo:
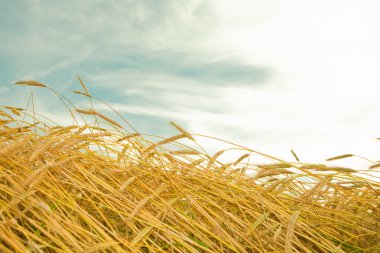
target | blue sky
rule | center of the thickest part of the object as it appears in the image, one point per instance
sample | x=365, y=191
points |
x=271, y=75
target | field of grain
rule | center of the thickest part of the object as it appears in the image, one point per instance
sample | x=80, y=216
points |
x=101, y=186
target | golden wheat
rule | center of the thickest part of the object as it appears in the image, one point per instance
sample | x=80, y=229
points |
x=97, y=188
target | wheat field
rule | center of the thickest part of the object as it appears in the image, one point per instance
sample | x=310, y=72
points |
x=99, y=185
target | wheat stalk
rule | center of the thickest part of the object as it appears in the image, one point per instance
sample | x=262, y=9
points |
x=31, y=83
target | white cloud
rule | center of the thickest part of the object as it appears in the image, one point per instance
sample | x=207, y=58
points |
x=325, y=57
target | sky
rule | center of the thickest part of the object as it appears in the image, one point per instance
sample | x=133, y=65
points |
x=271, y=75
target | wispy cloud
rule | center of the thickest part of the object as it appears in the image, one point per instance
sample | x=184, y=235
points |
x=267, y=73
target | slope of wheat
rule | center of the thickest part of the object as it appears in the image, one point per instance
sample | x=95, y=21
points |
x=101, y=188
